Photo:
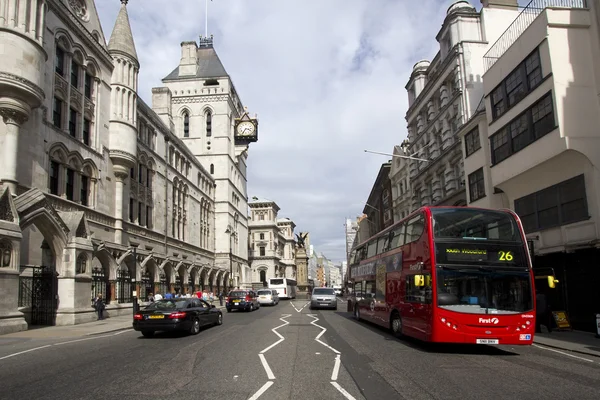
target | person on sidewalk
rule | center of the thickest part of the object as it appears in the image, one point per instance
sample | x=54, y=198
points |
x=221, y=294
x=543, y=316
x=99, y=306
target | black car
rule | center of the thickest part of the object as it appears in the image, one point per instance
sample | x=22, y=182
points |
x=241, y=299
x=183, y=314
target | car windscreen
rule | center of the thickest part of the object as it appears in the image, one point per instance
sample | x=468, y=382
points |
x=324, y=291
x=264, y=292
x=238, y=294
x=167, y=305
x=276, y=281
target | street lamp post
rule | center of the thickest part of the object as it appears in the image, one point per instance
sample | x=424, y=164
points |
x=229, y=231
x=133, y=282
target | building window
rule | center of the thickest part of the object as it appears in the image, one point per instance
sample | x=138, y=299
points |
x=5, y=253
x=131, y=215
x=73, y=123
x=86, y=131
x=212, y=168
x=263, y=276
x=472, y=143
x=57, y=113
x=208, y=123
x=518, y=84
x=70, y=187
x=262, y=251
x=74, y=74
x=149, y=217
x=59, y=61
x=186, y=125
x=85, y=190
x=81, y=264
x=262, y=236
x=476, y=185
x=557, y=205
x=54, y=171
x=535, y=122
x=89, y=79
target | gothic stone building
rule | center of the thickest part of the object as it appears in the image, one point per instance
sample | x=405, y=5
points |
x=99, y=193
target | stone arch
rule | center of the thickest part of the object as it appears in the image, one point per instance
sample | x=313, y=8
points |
x=82, y=264
x=92, y=67
x=79, y=55
x=75, y=160
x=63, y=40
x=212, y=279
x=204, y=277
x=89, y=169
x=195, y=274
x=108, y=263
x=59, y=152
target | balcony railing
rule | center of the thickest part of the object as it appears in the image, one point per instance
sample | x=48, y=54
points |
x=522, y=22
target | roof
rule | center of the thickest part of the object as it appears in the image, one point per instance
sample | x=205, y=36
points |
x=121, y=39
x=209, y=64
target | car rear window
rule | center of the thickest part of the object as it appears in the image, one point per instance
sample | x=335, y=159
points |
x=238, y=293
x=264, y=292
x=167, y=304
x=324, y=291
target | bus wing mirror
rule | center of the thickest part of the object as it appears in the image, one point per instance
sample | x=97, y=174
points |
x=552, y=282
x=419, y=280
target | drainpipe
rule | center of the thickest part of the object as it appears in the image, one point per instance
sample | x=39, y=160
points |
x=463, y=71
x=167, y=140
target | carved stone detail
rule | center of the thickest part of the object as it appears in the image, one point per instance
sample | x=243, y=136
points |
x=6, y=213
x=79, y=9
x=199, y=99
x=89, y=106
x=25, y=82
x=14, y=117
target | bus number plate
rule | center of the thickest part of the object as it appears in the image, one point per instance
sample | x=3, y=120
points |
x=487, y=341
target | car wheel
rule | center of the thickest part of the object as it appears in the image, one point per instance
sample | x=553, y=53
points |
x=356, y=312
x=251, y=308
x=396, y=324
x=195, y=329
x=220, y=319
x=148, y=333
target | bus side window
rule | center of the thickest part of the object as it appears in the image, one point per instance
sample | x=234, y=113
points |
x=398, y=238
x=369, y=290
x=372, y=248
x=382, y=244
x=414, y=229
x=358, y=290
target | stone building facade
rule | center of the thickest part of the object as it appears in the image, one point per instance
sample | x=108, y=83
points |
x=271, y=243
x=99, y=192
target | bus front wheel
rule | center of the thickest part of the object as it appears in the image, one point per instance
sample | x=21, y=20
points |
x=396, y=324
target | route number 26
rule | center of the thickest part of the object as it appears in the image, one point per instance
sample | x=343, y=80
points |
x=505, y=255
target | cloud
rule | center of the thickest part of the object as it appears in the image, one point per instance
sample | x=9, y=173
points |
x=327, y=79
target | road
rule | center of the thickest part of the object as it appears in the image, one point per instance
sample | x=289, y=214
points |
x=287, y=352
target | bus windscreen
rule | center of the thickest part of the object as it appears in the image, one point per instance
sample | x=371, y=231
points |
x=475, y=224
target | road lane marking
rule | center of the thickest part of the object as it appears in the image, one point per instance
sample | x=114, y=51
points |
x=266, y=366
x=301, y=308
x=562, y=352
x=61, y=343
x=263, y=360
x=336, y=368
x=261, y=390
x=24, y=351
x=323, y=330
x=342, y=391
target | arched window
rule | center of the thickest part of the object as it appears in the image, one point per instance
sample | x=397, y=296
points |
x=208, y=123
x=212, y=168
x=5, y=253
x=81, y=266
x=186, y=125
x=263, y=276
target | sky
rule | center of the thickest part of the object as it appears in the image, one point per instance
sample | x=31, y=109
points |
x=326, y=78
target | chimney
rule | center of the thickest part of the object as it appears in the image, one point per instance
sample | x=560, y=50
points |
x=188, y=66
x=161, y=105
x=510, y=4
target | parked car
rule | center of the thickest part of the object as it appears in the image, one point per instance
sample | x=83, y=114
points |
x=182, y=314
x=323, y=298
x=241, y=299
x=268, y=296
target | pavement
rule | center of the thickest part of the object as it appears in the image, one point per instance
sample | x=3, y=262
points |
x=287, y=352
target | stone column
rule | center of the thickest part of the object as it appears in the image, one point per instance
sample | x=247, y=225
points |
x=120, y=176
x=302, y=272
x=13, y=120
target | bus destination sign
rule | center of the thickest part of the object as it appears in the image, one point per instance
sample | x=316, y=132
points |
x=474, y=254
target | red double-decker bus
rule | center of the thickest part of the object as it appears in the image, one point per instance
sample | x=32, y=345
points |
x=448, y=274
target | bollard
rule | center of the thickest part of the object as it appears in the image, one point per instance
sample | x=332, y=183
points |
x=597, y=325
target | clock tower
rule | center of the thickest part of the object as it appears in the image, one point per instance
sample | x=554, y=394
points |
x=202, y=106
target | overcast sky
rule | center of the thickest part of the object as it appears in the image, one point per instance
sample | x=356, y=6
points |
x=326, y=78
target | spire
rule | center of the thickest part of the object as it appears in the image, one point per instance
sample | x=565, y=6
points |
x=121, y=39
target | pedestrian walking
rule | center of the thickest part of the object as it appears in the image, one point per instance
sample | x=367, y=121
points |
x=221, y=298
x=99, y=306
x=543, y=315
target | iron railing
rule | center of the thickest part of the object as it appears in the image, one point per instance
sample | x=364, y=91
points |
x=124, y=286
x=521, y=23
x=100, y=285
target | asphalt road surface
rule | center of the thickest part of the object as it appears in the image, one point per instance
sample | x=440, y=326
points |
x=287, y=352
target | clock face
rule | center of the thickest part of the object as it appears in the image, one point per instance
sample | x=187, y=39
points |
x=245, y=128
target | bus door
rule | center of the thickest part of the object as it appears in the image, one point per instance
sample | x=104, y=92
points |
x=367, y=302
x=418, y=308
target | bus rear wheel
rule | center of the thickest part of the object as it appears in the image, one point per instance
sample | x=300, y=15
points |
x=356, y=312
x=396, y=324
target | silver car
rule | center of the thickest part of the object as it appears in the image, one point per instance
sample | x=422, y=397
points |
x=268, y=296
x=323, y=298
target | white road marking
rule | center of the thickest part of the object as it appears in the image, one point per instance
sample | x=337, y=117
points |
x=266, y=366
x=336, y=368
x=321, y=334
x=61, y=343
x=342, y=391
x=25, y=351
x=301, y=308
x=261, y=390
x=563, y=353
x=317, y=352
x=264, y=362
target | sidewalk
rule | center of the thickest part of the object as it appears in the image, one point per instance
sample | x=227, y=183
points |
x=575, y=341
x=108, y=325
